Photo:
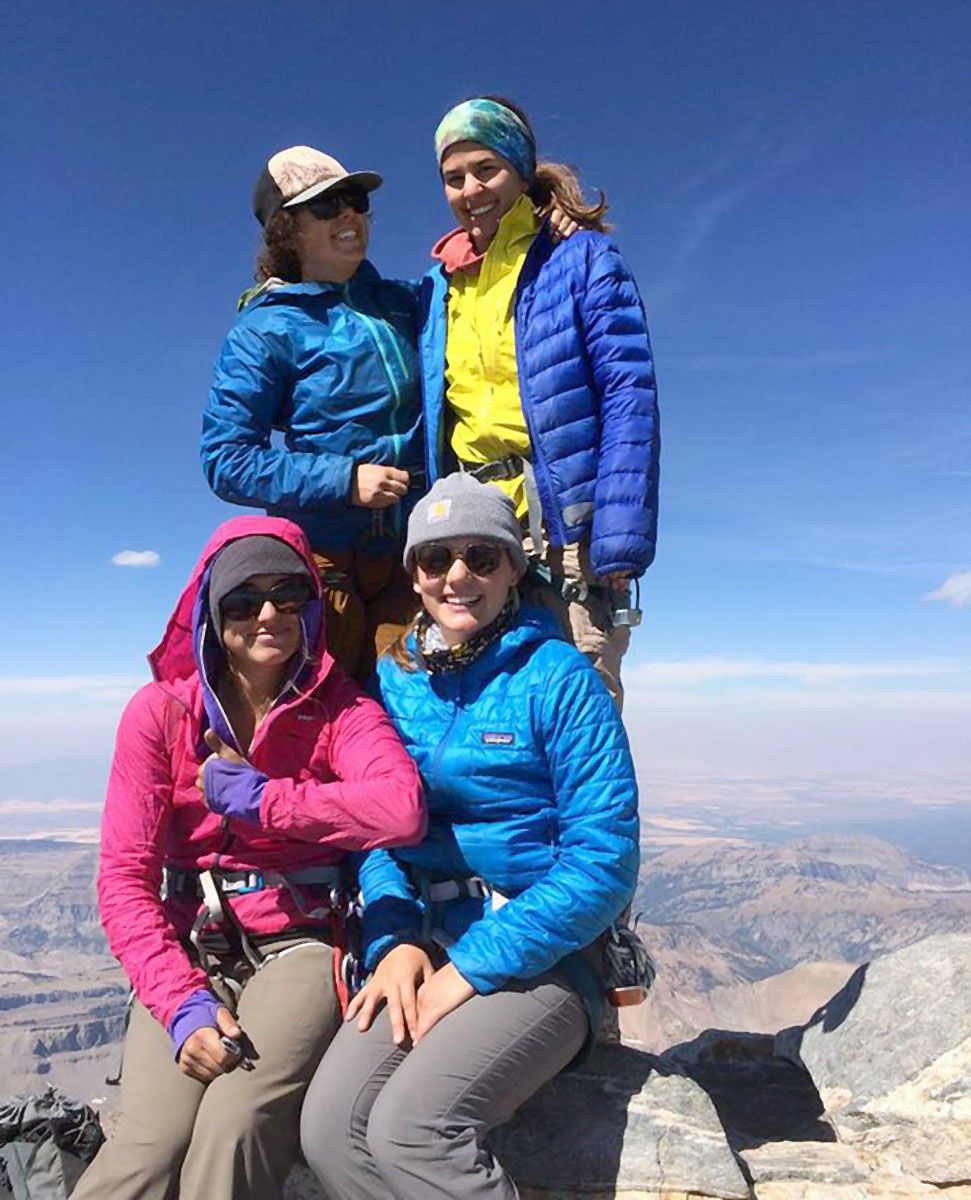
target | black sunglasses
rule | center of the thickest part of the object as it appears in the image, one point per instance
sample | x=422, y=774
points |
x=288, y=596
x=436, y=558
x=330, y=204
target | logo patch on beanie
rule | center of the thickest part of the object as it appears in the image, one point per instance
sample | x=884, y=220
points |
x=439, y=511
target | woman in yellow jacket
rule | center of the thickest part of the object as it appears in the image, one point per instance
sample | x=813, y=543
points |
x=538, y=374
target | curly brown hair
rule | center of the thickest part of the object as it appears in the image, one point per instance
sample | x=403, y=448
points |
x=278, y=257
x=557, y=185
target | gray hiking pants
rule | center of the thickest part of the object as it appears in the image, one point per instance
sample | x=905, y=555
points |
x=235, y=1139
x=383, y=1123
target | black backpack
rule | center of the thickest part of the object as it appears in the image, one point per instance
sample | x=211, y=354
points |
x=45, y=1144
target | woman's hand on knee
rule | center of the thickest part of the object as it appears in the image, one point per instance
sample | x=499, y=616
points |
x=395, y=982
x=442, y=995
x=203, y=1056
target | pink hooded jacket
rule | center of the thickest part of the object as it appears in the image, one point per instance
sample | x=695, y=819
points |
x=340, y=780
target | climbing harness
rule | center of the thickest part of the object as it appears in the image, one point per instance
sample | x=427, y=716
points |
x=332, y=900
x=628, y=970
x=437, y=892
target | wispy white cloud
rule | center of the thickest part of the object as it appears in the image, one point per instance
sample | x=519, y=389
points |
x=45, y=807
x=955, y=590
x=698, y=672
x=107, y=687
x=137, y=558
x=755, y=164
x=875, y=725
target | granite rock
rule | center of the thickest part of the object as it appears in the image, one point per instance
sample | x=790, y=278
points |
x=897, y=1035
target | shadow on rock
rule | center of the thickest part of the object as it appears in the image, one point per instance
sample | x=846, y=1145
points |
x=759, y=1096
x=624, y=1121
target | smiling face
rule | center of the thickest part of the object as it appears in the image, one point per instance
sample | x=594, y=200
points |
x=480, y=187
x=263, y=642
x=331, y=251
x=461, y=603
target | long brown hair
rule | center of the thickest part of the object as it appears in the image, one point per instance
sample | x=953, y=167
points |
x=398, y=651
x=278, y=257
x=557, y=185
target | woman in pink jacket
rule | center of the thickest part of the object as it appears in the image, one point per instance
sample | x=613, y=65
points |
x=242, y=776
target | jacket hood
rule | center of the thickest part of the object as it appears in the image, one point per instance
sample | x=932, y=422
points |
x=176, y=657
x=280, y=291
x=456, y=252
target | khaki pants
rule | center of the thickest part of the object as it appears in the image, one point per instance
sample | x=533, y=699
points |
x=587, y=622
x=235, y=1139
x=368, y=601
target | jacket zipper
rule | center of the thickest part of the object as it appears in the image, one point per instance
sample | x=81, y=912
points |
x=450, y=729
x=434, y=368
x=375, y=333
x=540, y=466
x=212, y=692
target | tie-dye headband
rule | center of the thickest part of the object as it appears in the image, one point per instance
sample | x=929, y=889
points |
x=492, y=125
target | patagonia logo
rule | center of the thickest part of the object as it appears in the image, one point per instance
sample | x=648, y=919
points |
x=498, y=739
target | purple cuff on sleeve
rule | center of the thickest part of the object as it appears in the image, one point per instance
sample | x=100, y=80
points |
x=233, y=789
x=196, y=1012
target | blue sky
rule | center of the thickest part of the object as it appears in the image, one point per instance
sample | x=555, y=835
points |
x=789, y=181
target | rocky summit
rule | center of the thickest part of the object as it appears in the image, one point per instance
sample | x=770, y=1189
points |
x=868, y=1100
x=865, y=1092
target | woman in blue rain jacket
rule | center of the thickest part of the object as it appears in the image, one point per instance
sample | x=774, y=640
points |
x=324, y=352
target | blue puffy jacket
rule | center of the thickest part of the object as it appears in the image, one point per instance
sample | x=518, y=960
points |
x=529, y=785
x=335, y=368
x=586, y=381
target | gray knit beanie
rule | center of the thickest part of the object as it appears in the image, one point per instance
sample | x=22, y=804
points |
x=237, y=561
x=458, y=506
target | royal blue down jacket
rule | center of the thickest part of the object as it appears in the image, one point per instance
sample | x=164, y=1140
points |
x=335, y=368
x=530, y=786
x=586, y=381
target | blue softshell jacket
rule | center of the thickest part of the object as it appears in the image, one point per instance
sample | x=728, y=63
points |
x=335, y=368
x=586, y=381
x=530, y=786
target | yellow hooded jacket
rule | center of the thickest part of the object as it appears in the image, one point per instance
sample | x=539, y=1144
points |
x=482, y=384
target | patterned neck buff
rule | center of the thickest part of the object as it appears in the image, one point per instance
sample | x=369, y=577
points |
x=440, y=659
x=491, y=125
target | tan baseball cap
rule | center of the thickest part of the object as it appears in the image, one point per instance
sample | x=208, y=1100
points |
x=297, y=175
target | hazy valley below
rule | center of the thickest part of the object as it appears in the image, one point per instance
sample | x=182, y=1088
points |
x=747, y=936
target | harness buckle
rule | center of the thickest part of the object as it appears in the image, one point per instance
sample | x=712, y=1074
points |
x=254, y=883
x=575, y=590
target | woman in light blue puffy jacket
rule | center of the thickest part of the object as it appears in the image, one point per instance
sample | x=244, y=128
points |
x=482, y=939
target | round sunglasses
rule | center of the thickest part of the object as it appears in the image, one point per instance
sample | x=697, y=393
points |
x=288, y=596
x=330, y=204
x=480, y=558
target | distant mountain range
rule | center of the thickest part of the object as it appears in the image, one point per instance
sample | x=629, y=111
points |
x=847, y=897
x=746, y=936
